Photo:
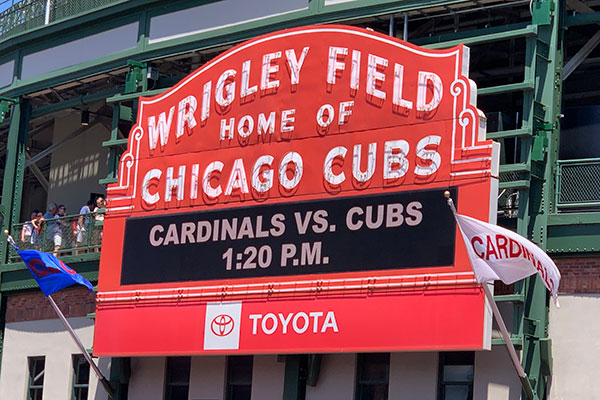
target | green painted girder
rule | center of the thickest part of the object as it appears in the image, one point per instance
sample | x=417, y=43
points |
x=576, y=238
x=117, y=98
x=144, y=51
x=528, y=31
x=581, y=218
x=41, y=33
x=520, y=184
x=140, y=11
x=116, y=142
x=75, y=102
x=582, y=19
x=511, y=87
x=464, y=35
x=513, y=298
x=14, y=171
x=519, y=167
x=516, y=340
x=521, y=132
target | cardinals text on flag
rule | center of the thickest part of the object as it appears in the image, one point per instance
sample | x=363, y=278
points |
x=498, y=253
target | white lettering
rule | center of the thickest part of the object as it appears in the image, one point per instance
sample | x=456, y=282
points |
x=269, y=68
x=185, y=114
x=146, y=195
x=295, y=64
x=208, y=189
x=390, y=158
x=333, y=64
x=225, y=92
x=162, y=130
x=374, y=76
x=334, y=179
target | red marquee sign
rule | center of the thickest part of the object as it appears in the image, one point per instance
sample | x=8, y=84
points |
x=287, y=197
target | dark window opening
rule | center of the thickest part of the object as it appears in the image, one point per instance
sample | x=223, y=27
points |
x=455, y=377
x=178, y=378
x=37, y=368
x=372, y=376
x=81, y=377
x=239, y=377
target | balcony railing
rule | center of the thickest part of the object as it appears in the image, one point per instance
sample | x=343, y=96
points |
x=24, y=15
x=578, y=184
x=68, y=235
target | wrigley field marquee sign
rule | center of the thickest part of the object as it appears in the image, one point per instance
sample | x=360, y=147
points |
x=290, y=190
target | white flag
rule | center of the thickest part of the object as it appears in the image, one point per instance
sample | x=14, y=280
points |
x=498, y=253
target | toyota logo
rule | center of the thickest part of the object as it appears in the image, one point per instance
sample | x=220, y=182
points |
x=222, y=325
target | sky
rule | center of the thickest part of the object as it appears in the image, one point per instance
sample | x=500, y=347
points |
x=4, y=4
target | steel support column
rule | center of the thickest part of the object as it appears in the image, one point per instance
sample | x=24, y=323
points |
x=539, y=203
x=294, y=383
x=12, y=188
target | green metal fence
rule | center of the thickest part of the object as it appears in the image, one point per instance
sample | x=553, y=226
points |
x=29, y=14
x=577, y=183
x=71, y=234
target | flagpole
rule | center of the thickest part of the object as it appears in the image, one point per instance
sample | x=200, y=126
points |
x=512, y=352
x=68, y=327
x=86, y=355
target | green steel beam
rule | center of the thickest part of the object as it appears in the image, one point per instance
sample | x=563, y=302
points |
x=129, y=11
x=12, y=185
x=575, y=238
x=512, y=87
x=519, y=167
x=132, y=96
x=529, y=31
x=516, y=297
x=516, y=340
x=583, y=218
x=521, y=184
x=582, y=19
x=120, y=372
x=111, y=11
x=546, y=63
x=113, y=144
x=293, y=384
x=2, y=323
x=521, y=132
x=464, y=35
x=76, y=102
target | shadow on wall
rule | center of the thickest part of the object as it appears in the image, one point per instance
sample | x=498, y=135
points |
x=48, y=325
x=75, y=171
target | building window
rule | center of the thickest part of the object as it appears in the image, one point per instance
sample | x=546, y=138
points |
x=178, y=378
x=456, y=375
x=372, y=376
x=37, y=366
x=239, y=377
x=81, y=377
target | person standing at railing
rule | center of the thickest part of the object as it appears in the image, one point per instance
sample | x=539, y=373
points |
x=53, y=231
x=99, y=220
x=64, y=228
x=27, y=231
x=83, y=224
x=38, y=225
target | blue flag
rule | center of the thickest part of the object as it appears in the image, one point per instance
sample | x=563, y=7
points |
x=51, y=273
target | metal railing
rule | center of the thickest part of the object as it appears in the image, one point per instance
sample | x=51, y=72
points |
x=24, y=15
x=71, y=234
x=578, y=184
